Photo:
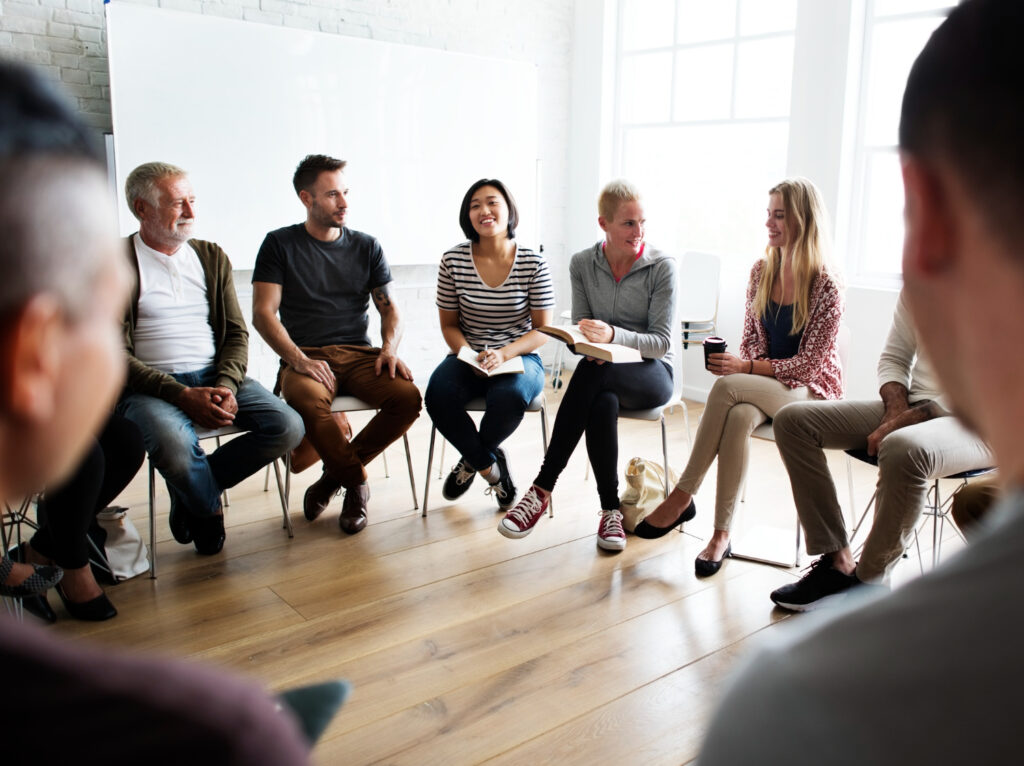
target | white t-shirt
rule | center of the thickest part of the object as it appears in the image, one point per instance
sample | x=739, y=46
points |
x=172, y=330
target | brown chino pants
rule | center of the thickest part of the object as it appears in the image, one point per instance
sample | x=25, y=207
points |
x=398, y=403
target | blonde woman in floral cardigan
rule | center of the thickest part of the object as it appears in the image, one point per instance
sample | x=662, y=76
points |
x=788, y=354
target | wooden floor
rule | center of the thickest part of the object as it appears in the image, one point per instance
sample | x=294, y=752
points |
x=465, y=647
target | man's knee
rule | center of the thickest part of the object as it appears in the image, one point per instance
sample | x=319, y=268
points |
x=902, y=455
x=792, y=424
x=404, y=399
x=289, y=428
x=174, y=452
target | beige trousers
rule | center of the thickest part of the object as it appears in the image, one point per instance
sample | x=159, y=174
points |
x=908, y=461
x=736, y=406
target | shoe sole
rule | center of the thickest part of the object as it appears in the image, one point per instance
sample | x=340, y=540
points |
x=824, y=602
x=513, y=534
x=611, y=545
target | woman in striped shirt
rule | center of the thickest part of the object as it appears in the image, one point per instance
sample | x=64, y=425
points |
x=491, y=294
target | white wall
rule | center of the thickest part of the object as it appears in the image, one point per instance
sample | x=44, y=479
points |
x=66, y=39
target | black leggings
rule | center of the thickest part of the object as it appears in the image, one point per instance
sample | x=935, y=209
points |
x=66, y=512
x=591, y=403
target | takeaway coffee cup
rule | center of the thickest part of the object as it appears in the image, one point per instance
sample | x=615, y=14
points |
x=713, y=345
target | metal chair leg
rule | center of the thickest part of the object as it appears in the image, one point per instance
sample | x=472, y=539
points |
x=544, y=439
x=430, y=463
x=284, y=500
x=412, y=479
x=152, y=520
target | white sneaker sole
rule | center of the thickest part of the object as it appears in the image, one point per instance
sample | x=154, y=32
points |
x=512, y=533
x=822, y=603
x=611, y=544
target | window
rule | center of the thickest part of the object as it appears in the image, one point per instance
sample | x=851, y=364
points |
x=702, y=116
x=895, y=31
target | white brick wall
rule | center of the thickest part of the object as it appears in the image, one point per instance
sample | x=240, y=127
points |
x=67, y=40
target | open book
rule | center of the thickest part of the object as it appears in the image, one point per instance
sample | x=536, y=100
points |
x=575, y=340
x=468, y=355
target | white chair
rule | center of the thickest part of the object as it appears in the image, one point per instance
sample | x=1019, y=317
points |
x=203, y=434
x=657, y=414
x=765, y=537
x=558, y=364
x=539, y=404
x=699, y=285
x=935, y=506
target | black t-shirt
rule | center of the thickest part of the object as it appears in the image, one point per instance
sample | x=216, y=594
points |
x=325, y=286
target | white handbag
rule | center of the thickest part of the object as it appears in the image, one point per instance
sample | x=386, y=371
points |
x=124, y=549
x=645, y=489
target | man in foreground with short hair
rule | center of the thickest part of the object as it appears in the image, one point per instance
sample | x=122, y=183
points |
x=320, y=276
x=188, y=348
x=63, y=286
x=932, y=673
x=915, y=441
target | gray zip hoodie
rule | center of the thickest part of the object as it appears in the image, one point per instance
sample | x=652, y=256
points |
x=641, y=308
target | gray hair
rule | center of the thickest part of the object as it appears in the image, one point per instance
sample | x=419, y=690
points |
x=141, y=182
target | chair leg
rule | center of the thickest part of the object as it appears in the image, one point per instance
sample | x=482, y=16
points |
x=266, y=479
x=440, y=462
x=544, y=439
x=152, y=520
x=412, y=479
x=849, y=482
x=430, y=463
x=664, y=452
x=284, y=499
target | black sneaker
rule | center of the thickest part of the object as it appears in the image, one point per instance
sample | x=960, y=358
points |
x=178, y=518
x=458, y=480
x=504, y=489
x=821, y=586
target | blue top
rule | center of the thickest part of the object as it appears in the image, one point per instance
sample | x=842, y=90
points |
x=778, y=321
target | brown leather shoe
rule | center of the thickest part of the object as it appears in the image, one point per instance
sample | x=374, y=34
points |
x=353, y=509
x=319, y=495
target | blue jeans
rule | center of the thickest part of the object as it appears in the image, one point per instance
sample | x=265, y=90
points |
x=272, y=429
x=454, y=383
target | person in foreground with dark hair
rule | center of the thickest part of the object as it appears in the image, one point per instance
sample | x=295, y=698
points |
x=320, y=276
x=931, y=674
x=491, y=295
x=624, y=292
x=63, y=289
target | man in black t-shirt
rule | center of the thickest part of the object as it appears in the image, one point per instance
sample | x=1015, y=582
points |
x=320, y=276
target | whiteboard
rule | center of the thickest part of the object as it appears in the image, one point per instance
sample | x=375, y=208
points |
x=238, y=104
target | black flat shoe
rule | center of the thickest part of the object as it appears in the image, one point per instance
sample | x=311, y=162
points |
x=94, y=610
x=708, y=567
x=178, y=519
x=651, y=532
x=40, y=607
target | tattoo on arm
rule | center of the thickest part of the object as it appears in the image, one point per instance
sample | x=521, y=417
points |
x=381, y=297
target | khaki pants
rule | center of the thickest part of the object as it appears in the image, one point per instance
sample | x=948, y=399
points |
x=908, y=461
x=398, y=402
x=736, y=406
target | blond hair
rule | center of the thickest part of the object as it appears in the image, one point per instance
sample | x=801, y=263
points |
x=807, y=224
x=141, y=182
x=614, y=194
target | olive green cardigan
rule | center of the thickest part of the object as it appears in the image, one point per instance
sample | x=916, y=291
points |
x=230, y=336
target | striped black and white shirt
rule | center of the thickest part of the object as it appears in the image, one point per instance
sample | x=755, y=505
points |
x=494, y=316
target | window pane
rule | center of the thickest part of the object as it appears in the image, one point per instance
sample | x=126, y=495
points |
x=704, y=83
x=882, y=246
x=894, y=47
x=700, y=20
x=645, y=88
x=758, y=17
x=647, y=24
x=705, y=186
x=893, y=7
x=764, y=77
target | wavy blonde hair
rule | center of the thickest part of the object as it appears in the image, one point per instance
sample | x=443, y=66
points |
x=807, y=224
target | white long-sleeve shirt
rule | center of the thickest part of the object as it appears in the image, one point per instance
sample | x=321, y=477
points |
x=902, y=361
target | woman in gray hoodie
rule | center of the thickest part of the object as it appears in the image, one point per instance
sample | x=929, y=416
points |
x=623, y=292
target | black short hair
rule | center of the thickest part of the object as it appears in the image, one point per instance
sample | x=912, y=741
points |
x=35, y=118
x=513, y=211
x=311, y=167
x=964, y=107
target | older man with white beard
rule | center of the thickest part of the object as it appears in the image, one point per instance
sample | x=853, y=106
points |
x=187, y=353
